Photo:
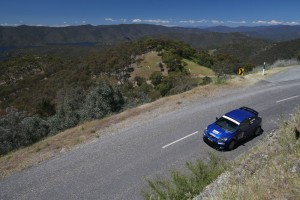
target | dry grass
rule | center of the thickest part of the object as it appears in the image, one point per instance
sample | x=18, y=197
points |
x=198, y=70
x=51, y=146
x=149, y=63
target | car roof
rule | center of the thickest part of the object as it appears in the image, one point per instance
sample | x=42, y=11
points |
x=240, y=114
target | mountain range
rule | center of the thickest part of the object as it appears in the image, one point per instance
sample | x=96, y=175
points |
x=274, y=33
x=213, y=37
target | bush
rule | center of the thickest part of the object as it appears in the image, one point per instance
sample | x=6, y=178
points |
x=206, y=80
x=45, y=108
x=154, y=94
x=156, y=78
x=139, y=80
x=17, y=129
x=186, y=186
x=102, y=100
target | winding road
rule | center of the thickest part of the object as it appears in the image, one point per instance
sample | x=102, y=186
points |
x=115, y=166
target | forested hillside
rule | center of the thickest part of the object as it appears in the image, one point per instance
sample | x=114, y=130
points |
x=43, y=93
x=49, y=88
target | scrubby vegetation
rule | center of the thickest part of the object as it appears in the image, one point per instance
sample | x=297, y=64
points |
x=186, y=186
x=59, y=87
x=47, y=92
x=19, y=128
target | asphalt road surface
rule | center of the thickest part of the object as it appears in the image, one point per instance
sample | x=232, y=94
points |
x=116, y=165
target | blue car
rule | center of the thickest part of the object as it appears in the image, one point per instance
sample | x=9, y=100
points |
x=232, y=128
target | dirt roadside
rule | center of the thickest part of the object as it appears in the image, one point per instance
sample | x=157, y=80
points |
x=72, y=138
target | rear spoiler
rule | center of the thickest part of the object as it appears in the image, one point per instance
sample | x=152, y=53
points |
x=250, y=110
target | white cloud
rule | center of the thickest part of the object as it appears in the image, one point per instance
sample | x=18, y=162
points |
x=217, y=22
x=193, y=21
x=272, y=22
x=155, y=21
x=292, y=23
x=237, y=22
x=136, y=20
x=10, y=24
x=159, y=21
x=110, y=19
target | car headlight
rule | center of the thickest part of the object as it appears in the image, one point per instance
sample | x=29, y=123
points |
x=205, y=131
x=222, y=139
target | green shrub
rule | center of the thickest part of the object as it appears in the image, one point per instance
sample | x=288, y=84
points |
x=17, y=129
x=186, y=186
x=156, y=78
x=102, y=100
x=206, y=80
x=45, y=108
x=139, y=80
x=154, y=94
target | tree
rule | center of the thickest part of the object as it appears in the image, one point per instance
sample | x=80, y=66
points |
x=102, y=100
x=17, y=129
x=140, y=80
x=204, y=58
x=45, y=108
x=156, y=78
x=225, y=64
x=172, y=61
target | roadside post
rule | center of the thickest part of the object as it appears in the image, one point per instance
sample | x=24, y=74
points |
x=241, y=71
x=264, y=68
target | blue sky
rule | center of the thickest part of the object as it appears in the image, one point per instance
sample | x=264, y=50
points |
x=162, y=12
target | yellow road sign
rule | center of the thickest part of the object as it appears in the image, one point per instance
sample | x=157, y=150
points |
x=241, y=71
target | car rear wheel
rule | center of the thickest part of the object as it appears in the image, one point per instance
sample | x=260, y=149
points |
x=257, y=131
x=231, y=145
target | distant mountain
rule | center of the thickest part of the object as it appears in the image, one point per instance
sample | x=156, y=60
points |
x=274, y=33
x=23, y=36
x=101, y=35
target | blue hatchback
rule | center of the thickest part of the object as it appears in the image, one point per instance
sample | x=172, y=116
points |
x=233, y=127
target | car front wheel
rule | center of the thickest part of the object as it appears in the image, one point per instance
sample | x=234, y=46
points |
x=231, y=145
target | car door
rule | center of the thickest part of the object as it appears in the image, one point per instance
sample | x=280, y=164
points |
x=244, y=129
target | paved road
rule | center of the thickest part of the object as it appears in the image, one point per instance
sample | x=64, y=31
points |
x=115, y=166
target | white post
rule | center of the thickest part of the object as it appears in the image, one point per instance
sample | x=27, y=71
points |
x=264, y=67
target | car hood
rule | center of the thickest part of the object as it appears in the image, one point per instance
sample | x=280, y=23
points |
x=217, y=132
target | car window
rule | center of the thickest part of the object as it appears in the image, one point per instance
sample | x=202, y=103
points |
x=226, y=124
x=244, y=124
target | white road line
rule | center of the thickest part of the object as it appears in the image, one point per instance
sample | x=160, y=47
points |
x=180, y=139
x=287, y=99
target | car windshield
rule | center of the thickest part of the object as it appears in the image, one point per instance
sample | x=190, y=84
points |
x=226, y=124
